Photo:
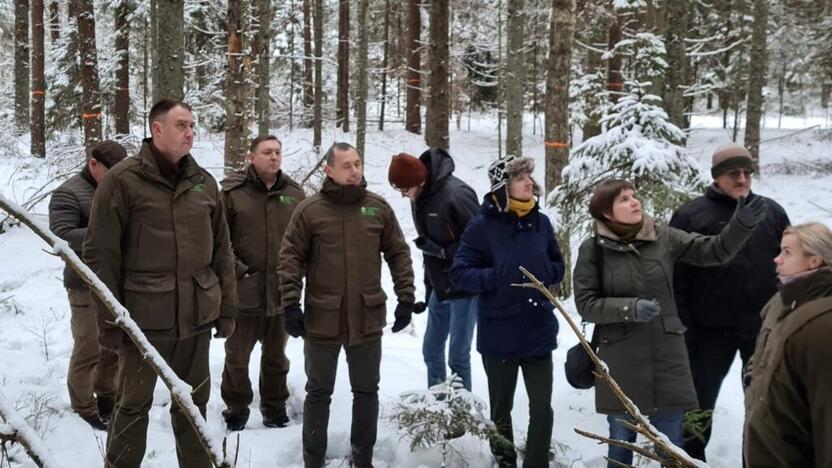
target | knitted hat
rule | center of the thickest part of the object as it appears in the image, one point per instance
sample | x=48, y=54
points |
x=728, y=157
x=501, y=171
x=406, y=171
x=109, y=153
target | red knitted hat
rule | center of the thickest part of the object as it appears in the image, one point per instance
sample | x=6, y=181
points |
x=406, y=171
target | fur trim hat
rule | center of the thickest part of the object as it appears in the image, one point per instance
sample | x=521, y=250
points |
x=501, y=171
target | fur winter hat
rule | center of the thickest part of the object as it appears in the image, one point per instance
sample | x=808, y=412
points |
x=501, y=171
x=406, y=171
x=728, y=157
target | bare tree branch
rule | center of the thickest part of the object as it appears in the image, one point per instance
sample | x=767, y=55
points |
x=22, y=433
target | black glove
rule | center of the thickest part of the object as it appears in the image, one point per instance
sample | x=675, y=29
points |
x=429, y=247
x=646, y=310
x=402, y=314
x=419, y=307
x=293, y=320
x=751, y=214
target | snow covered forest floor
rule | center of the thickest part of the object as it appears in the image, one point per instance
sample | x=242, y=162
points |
x=35, y=341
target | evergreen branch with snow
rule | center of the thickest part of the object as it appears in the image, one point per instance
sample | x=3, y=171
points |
x=179, y=390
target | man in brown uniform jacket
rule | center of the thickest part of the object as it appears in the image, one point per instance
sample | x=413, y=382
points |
x=335, y=239
x=259, y=202
x=158, y=239
x=91, y=379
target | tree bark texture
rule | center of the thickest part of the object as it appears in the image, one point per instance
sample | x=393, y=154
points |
x=21, y=66
x=342, y=97
x=678, y=14
x=385, y=63
x=169, y=61
x=263, y=53
x=436, y=131
x=54, y=21
x=91, y=90
x=515, y=78
x=615, y=81
x=413, y=107
x=317, y=119
x=38, y=144
x=361, y=92
x=122, y=26
x=557, y=142
x=236, y=87
x=757, y=70
x=308, y=81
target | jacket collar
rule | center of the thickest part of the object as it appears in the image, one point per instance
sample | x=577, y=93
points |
x=150, y=167
x=343, y=194
x=646, y=234
x=85, y=174
x=800, y=291
x=252, y=176
x=715, y=193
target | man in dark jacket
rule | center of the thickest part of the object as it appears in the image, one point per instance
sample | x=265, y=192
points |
x=158, y=239
x=91, y=379
x=259, y=202
x=336, y=239
x=721, y=305
x=442, y=206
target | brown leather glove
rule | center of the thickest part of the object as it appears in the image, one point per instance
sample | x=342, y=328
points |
x=225, y=327
x=110, y=338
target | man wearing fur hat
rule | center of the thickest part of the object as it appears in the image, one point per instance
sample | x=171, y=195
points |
x=516, y=329
x=442, y=205
x=721, y=305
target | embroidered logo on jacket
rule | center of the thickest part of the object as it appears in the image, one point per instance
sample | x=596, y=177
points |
x=287, y=199
x=369, y=211
x=200, y=187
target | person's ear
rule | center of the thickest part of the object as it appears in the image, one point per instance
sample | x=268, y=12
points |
x=815, y=261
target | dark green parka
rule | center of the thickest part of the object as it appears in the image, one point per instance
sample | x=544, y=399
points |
x=648, y=360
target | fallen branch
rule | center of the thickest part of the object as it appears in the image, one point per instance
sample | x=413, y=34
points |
x=16, y=430
x=669, y=454
x=826, y=210
x=179, y=390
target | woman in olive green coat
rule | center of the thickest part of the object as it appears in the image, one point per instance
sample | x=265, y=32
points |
x=623, y=283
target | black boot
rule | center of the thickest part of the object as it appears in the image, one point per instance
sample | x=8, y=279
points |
x=94, y=421
x=276, y=419
x=105, y=408
x=235, y=421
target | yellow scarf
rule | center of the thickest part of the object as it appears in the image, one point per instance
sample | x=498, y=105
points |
x=521, y=208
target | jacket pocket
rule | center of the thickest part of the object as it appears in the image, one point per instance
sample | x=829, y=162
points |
x=250, y=291
x=375, y=311
x=208, y=297
x=673, y=324
x=151, y=300
x=323, y=314
x=612, y=332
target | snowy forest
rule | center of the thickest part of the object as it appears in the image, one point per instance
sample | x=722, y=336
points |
x=643, y=90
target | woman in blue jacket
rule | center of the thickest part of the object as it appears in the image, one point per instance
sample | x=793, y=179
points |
x=516, y=328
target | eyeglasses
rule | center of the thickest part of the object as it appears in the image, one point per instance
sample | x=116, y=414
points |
x=736, y=173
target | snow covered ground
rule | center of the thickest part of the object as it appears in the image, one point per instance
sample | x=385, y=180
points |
x=35, y=340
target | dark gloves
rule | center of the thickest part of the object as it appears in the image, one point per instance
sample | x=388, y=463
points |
x=750, y=214
x=429, y=247
x=403, y=313
x=110, y=338
x=419, y=307
x=293, y=320
x=225, y=327
x=646, y=310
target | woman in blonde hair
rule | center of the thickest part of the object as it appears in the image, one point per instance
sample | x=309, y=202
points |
x=789, y=402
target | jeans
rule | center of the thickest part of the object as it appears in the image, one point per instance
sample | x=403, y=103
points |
x=457, y=318
x=668, y=422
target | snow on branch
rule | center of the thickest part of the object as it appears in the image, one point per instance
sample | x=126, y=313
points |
x=17, y=430
x=180, y=391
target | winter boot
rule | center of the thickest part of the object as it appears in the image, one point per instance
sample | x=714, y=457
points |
x=95, y=421
x=105, y=408
x=276, y=419
x=235, y=421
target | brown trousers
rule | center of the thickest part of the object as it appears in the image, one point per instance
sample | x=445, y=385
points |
x=92, y=370
x=363, y=361
x=274, y=365
x=127, y=434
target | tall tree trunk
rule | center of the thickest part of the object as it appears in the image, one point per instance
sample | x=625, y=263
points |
x=308, y=81
x=262, y=51
x=317, y=119
x=436, y=131
x=561, y=35
x=614, y=79
x=21, y=66
x=290, y=42
x=342, y=98
x=122, y=26
x=54, y=21
x=154, y=46
x=756, y=79
x=89, y=75
x=38, y=144
x=515, y=78
x=385, y=61
x=361, y=93
x=169, y=61
x=677, y=70
x=236, y=86
x=413, y=107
